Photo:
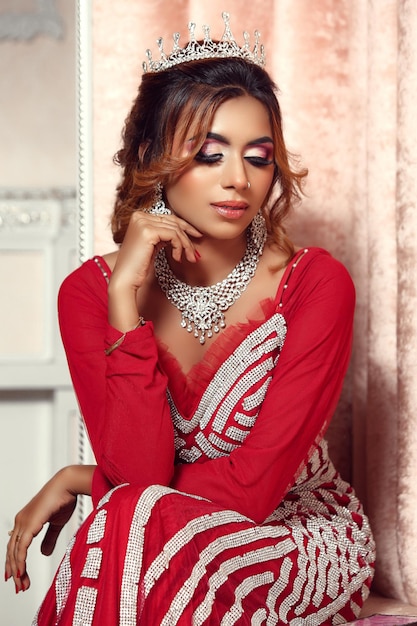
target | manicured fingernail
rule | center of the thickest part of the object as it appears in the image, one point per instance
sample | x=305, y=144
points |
x=197, y=255
x=6, y=578
x=18, y=574
x=17, y=588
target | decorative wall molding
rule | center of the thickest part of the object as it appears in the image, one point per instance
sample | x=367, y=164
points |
x=18, y=215
x=44, y=19
x=38, y=238
x=85, y=222
x=26, y=210
x=85, y=129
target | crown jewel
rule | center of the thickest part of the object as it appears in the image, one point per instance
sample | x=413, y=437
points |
x=227, y=47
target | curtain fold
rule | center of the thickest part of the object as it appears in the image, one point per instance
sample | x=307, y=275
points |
x=407, y=295
x=347, y=75
x=379, y=207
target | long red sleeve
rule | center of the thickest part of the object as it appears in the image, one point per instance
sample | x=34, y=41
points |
x=122, y=397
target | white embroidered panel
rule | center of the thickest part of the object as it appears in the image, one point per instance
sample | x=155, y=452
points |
x=229, y=407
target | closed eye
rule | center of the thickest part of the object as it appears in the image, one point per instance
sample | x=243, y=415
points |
x=258, y=161
x=202, y=157
x=210, y=152
x=259, y=155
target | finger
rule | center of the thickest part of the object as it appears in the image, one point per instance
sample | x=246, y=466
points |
x=191, y=230
x=167, y=220
x=184, y=244
x=186, y=231
x=185, y=226
x=146, y=234
x=15, y=566
x=181, y=244
x=7, y=566
x=19, y=556
x=170, y=231
x=11, y=566
x=24, y=582
x=185, y=247
x=174, y=219
x=49, y=541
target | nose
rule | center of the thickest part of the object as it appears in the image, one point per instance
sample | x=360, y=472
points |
x=234, y=174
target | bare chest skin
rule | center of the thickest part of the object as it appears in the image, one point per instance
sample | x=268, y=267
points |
x=153, y=305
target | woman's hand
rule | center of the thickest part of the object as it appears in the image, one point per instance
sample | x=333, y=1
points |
x=55, y=503
x=145, y=235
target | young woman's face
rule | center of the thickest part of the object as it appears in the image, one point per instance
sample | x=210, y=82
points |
x=231, y=175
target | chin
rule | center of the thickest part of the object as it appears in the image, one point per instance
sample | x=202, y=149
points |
x=226, y=231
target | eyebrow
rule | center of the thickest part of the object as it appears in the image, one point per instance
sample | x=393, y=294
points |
x=255, y=142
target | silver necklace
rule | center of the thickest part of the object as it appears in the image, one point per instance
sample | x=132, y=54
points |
x=202, y=308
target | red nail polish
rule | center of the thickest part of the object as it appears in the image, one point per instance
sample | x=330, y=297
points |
x=17, y=588
x=6, y=578
x=197, y=255
x=18, y=574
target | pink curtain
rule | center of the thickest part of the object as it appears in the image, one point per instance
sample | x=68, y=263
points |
x=347, y=73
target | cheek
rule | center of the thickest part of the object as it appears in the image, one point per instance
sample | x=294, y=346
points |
x=182, y=192
x=263, y=183
x=189, y=186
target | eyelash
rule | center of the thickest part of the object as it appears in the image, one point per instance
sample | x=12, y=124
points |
x=210, y=159
x=259, y=161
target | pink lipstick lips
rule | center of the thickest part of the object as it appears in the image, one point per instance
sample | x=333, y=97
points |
x=231, y=209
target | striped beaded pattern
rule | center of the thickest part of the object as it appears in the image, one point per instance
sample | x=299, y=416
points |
x=210, y=566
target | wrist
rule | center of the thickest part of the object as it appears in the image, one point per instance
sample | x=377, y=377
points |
x=122, y=308
x=121, y=288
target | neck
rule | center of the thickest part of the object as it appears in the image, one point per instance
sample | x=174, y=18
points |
x=201, y=301
x=217, y=260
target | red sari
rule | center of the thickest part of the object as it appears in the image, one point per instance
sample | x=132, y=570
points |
x=216, y=502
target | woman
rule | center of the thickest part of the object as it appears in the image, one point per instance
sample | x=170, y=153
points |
x=208, y=355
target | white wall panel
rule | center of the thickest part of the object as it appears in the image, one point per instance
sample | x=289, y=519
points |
x=40, y=428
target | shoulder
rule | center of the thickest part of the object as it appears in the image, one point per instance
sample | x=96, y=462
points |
x=316, y=264
x=88, y=280
x=313, y=275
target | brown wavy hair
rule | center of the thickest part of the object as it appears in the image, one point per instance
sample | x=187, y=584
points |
x=181, y=102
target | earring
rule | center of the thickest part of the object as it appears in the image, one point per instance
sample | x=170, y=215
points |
x=159, y=207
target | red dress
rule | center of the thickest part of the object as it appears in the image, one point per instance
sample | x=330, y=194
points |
x=216, y=502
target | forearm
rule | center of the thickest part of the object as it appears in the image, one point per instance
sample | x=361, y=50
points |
x=77, y=479
x=122, y=395
x=53, y=505
x=123, y=312
x=137, y=419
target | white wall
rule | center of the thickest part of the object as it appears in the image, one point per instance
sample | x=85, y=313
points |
x=38, y=100
x=39, y=422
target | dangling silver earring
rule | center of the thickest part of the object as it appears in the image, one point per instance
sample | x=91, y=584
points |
x=159, y=207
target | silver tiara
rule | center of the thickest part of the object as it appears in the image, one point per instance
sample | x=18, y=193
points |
x=208, y=49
